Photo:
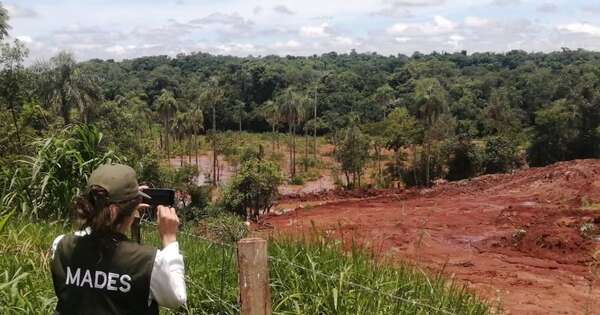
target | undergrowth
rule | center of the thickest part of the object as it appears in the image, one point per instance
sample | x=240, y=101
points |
x=306, y=278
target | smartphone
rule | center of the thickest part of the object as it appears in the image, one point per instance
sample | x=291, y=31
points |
x=160, y=196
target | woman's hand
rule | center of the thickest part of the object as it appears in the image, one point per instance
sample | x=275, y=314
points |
x=168, y=223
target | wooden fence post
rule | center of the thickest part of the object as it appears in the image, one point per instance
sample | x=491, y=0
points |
x=253, y=264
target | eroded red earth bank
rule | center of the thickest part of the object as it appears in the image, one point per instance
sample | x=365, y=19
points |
x=513, y=238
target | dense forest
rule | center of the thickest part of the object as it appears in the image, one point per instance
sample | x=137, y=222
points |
x=443, y=115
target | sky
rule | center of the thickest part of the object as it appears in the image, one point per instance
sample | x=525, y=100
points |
x=122, y=29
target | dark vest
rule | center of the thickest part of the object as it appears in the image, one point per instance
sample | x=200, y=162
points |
x=89, y=282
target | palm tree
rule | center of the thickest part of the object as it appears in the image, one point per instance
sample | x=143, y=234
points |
x=239, y=112
x=292, y=106
x=166, y=106
x=66, y=86
x=271, y=113
x=4, y=27
x=197, y=125
x=212, y=97
x=180, y=128
x=433, y=101
x=13, y=78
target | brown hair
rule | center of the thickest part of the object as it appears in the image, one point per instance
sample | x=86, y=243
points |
x=93, y=210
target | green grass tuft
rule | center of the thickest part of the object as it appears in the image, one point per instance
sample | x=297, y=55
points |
x=316, y=282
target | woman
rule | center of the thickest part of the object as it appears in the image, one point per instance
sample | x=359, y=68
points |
x=98, y=270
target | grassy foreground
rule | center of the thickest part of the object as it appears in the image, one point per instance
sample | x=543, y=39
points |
x=320, y=287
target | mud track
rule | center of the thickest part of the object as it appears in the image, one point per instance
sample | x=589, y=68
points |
x=512, y=238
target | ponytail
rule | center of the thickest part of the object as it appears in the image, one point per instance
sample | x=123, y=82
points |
x=92, y=210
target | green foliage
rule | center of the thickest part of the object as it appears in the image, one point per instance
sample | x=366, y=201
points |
x=400, y=129
x=25, y=283
x=66, y=86
x=4, y=217
x=296, y=180
x=465, y=160
x=148, y=169
x=223, y=227
x=320, y=287
x=253, y=189
x=565, y=130
x=180, y=178
x=352, y=154
x=425, y=166
x=45, y=184
x=501, y=155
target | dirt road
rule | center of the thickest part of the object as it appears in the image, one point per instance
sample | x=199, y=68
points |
x=512, y=238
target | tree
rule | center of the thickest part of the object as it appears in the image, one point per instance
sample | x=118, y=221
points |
x=4, y=27
x=239, y=113
x=271, y=113
x=384, y=98
x=292, y=106
x=13, y=77
x=353, y=154
x=432, y=99
x=465, y=160
x=166, y=106
x=555, y=133
x=499, y=117
x=253, y=190
x=180, y=128
x=400, y=130
x=66, y=86
x=213, y=96
x=197, y=126
x=501, y=155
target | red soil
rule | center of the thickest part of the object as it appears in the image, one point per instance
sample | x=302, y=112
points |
x=471, y=230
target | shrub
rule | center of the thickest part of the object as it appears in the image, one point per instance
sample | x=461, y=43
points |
x=148, y=169
x=465, y=160
x=296, y=180
x=179, y=178
x=501, y=155
x=253, y=189
x=223, y=227
x=417, y=173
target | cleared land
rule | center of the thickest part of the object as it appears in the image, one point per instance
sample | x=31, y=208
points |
x=515, y=238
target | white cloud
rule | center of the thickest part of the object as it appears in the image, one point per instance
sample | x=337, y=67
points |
x=504, y=3
x=402, y=39
x=15, y=11
x=235, y=48
x=418, y=3
x=581, y=28
x=343, y=40
x=116, y=49
x=547, y=7
x=455, y=39
x=289, y=44
x=398, y=28
x=25, y=39
x=281, y=9
x=474, y=21
x=315, y=31
x=439, y=25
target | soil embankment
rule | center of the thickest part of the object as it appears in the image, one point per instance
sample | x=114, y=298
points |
x=513, y=238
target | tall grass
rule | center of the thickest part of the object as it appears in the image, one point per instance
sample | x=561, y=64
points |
x=44, y=185
x=317, y=281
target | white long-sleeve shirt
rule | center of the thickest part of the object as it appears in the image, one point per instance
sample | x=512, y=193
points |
x=167, y=282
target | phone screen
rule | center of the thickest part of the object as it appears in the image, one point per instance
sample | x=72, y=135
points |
x=160, y=196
